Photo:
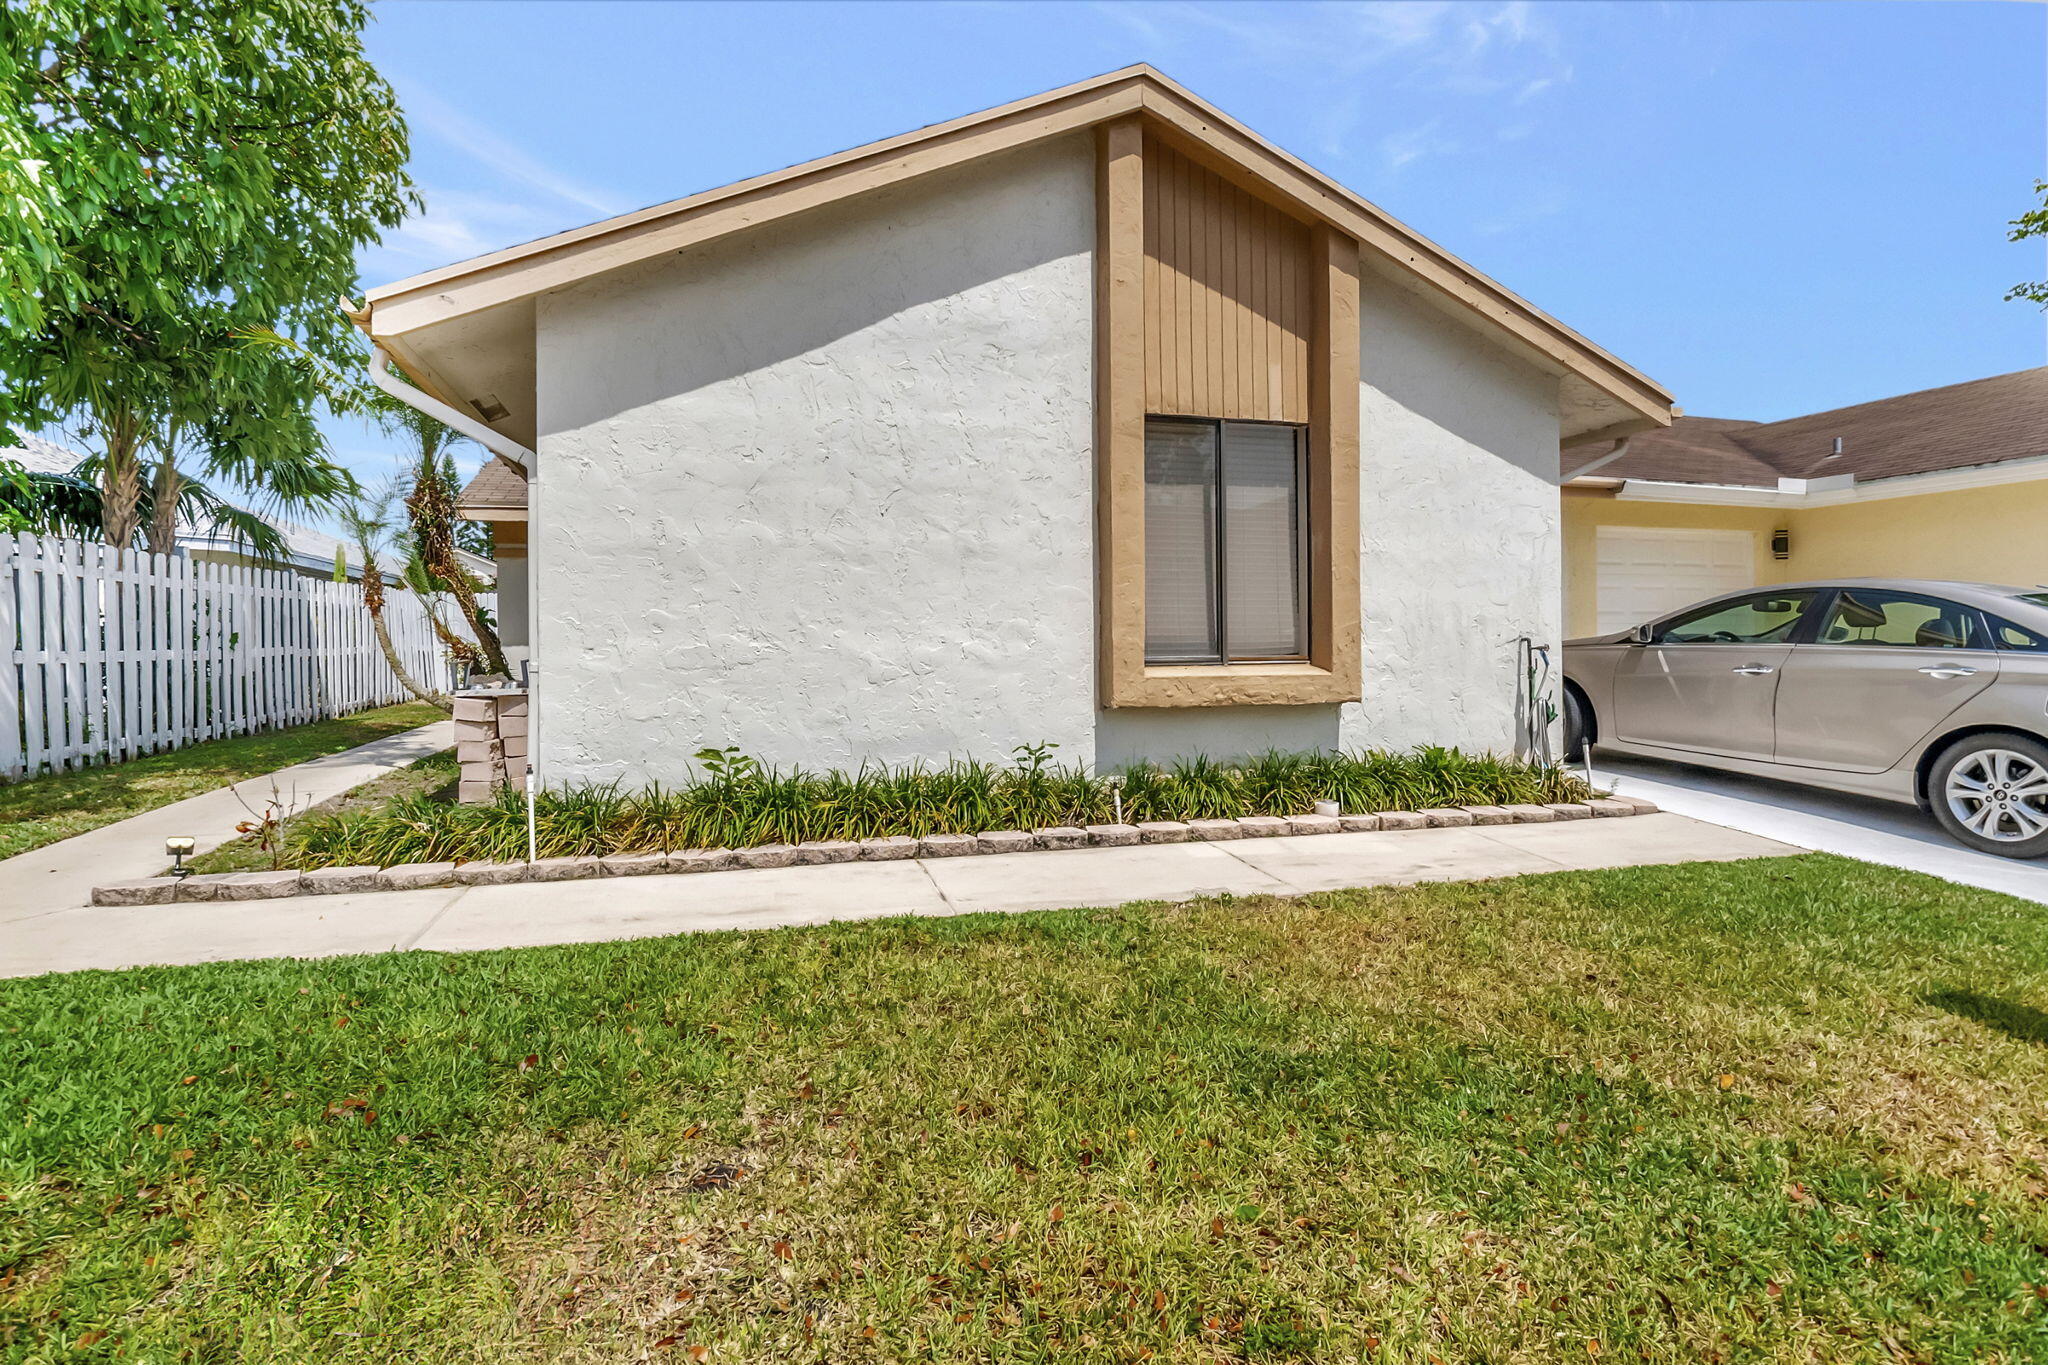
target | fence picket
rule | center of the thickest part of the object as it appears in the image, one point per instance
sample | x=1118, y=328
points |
x=107, y=656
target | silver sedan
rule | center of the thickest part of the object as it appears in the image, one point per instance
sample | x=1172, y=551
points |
x=1912, y=690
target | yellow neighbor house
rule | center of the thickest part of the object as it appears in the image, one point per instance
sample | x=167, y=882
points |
x=1944, y=483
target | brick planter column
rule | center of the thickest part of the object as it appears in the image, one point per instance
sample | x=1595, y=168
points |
x=490, y=742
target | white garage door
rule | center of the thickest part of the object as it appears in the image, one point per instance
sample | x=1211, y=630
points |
x=1646, y=571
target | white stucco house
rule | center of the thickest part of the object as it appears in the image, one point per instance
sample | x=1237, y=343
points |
x=1093, y=419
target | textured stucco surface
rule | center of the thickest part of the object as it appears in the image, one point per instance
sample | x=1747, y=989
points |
x=1459, y=524
x=825, y=491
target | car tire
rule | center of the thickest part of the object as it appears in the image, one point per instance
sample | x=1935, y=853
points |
x=1574, y=727
x=2012, y=772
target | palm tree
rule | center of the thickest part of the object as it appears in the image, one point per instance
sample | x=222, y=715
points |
x=429, y=467
x=369, y=524
x=74, y=504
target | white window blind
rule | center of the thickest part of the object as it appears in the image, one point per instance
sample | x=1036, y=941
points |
x=1223, y=541
x=1262, y=541
x=1180, y=542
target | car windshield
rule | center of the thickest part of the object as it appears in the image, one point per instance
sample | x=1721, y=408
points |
x=2039, y=599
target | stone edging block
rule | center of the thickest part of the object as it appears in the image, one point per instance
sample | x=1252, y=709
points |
x=334, y=881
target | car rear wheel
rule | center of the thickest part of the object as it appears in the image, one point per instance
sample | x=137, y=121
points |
x=1574, y=727
x=1991, y=792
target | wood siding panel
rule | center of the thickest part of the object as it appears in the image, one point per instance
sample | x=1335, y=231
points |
x=1228, y=297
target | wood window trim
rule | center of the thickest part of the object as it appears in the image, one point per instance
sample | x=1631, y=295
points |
x=1333, y=672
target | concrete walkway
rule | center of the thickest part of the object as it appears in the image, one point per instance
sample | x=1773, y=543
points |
x=61, y=876
x=462, y=918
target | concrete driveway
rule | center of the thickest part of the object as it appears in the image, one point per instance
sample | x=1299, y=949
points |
x=1854, y=826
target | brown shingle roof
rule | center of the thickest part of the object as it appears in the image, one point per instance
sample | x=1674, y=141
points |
x=500, y=483
x=1985, y=421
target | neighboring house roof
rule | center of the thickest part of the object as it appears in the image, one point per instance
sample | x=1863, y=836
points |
x=500, y=486
x=1982, y=422
x=465, y=332
x=39, y=456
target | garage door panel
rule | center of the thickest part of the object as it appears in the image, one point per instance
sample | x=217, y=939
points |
x=1642, y=572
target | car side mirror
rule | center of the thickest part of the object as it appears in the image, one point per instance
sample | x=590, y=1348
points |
x=1639, y=636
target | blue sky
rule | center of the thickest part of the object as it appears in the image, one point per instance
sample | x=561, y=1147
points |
x=1772, y=208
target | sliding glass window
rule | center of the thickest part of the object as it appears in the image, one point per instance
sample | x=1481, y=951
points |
x=1225, y=541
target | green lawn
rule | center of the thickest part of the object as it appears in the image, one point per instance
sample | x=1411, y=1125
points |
x=43, y=810
x=1788, y=1110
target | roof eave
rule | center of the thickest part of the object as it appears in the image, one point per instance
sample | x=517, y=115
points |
x=399, y=310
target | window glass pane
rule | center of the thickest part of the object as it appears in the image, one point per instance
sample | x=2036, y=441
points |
x=1884, y=619
x=1262, y=541
x=1766, y=619
x=2010, y=636
x=1180, y=542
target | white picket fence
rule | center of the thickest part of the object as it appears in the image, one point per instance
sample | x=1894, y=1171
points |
x=103, y=657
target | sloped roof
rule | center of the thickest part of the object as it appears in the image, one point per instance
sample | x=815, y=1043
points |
x=500, y=483
x=40, y=456
x=1981, y=422
x=464, y=332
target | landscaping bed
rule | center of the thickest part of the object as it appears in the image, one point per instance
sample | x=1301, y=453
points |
x=737, y=804
x=1781, y=1110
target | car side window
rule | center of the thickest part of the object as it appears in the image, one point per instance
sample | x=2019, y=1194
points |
x=2009, y=636
x=1888, y=620
x=1763, y=619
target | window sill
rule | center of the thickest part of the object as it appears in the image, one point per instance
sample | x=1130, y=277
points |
x=1274, y=684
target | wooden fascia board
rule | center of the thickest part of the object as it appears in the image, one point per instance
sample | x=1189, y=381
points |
x=1215, y=138
x=490, y=281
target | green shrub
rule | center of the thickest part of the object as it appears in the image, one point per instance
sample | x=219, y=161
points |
x=738, y=803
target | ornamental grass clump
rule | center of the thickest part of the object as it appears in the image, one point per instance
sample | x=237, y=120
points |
x=740, y=803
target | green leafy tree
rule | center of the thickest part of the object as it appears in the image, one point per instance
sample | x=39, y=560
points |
x=2033, y=223
x=176, y=174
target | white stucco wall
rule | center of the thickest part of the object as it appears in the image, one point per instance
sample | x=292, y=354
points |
x=824, y=491
x=1457, y=447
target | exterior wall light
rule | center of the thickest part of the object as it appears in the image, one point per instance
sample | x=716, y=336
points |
x=1781, y=544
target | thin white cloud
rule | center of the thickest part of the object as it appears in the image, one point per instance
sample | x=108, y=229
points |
x=424, y=109
x=1352, y=57
x=454, y=225
x=1398, y=149
x=1531, y=209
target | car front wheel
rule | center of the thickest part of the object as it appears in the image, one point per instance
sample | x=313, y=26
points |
x=1574, y=727
x=1991, y=792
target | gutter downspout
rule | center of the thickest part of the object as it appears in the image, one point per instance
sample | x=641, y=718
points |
x=1620, y=449
x=422, y=401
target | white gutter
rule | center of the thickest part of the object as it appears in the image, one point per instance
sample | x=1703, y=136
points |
x=381, y=376
x=1837, y=489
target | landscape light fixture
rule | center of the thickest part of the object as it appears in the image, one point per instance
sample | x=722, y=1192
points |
x=179, y=847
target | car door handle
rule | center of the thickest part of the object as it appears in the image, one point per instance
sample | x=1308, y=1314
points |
x=1754, y=670
x=1949, y=671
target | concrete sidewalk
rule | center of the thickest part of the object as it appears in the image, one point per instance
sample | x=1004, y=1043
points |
x=61, y=876
x=532, y=913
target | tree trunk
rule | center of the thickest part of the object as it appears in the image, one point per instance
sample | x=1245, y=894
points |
x=120, y=479
x=433, y=514
x=373, y=601
x=165, y=489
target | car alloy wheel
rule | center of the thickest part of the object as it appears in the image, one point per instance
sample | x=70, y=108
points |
x=1999, y=794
